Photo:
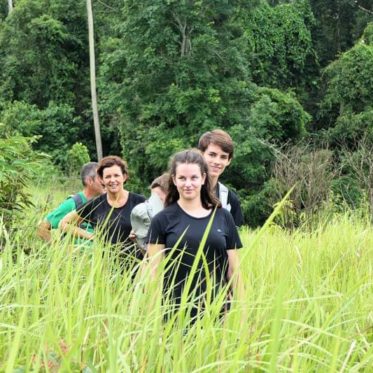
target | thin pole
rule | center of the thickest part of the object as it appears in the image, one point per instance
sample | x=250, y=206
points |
x=92, y=68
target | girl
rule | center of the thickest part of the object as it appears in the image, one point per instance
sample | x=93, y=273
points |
x=190, y=205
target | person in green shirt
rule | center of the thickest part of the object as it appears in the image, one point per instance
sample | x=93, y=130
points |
x=92, y=187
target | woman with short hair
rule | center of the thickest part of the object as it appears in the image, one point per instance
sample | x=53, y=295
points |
x=110, y=212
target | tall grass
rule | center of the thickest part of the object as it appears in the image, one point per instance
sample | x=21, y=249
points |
x=308, y=307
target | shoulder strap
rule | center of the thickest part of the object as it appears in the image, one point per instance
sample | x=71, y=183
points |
x=223, y=196
x=77, y=198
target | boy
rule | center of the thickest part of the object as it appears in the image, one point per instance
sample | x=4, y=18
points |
x=217, y=149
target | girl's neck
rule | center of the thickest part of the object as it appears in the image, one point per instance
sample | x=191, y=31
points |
x=118, y=199
x=193, y=207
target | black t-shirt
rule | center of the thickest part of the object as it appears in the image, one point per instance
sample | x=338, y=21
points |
x=173, y=223
x=113, y=223
x=235, y=206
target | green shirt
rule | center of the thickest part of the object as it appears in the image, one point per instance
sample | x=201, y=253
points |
x=62, y=210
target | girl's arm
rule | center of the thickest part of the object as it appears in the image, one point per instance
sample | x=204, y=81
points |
x=234, y=274
x=155, y=253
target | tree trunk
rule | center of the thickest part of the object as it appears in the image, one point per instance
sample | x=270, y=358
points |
x=92, y=66
x=10, y=6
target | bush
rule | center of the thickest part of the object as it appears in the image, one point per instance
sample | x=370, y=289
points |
x=77, y=156
x=311, y=171
x=18, y=164
x=56, y=127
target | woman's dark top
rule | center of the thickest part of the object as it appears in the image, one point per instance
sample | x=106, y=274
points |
x=114, y=223
x=172, y=223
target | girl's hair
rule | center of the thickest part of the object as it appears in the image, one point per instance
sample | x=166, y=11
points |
x=109, y=161
x=191, y=156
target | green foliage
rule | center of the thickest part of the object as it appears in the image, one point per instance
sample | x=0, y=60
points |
x=168, y=71
x=347, y=192
x=278, y=117
x=18, y=165
x=281, y=42
x=177, y=70
x=27, y=34
x=258, y=206
x=44, y=62
x=347, y=105
x=275, y=118
x=77, y=156
x=350, y=81
x=180, y=70
x=350, y=128
x=338, y=24
x=55, y=126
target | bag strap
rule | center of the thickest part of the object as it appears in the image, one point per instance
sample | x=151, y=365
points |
x=223, y=196
x=78, y=200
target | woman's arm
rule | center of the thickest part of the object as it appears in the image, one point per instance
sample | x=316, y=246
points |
x=70, y=224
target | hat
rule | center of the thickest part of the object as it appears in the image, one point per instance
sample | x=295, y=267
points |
x=141, y=216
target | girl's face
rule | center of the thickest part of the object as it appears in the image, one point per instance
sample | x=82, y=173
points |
x=113, y=179
x=188, y=180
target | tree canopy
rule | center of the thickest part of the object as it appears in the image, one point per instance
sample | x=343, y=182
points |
x=270, y=73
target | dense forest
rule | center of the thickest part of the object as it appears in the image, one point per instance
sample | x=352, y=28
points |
x=291, y=81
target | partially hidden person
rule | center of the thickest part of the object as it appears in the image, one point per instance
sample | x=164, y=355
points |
x=143, y=213
x=92, y=187
x=109, y=213
x=176, y=233
x=217, y=149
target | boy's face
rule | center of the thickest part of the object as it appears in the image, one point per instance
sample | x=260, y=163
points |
x=217, y=160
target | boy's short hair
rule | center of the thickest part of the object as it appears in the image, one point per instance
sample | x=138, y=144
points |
x=217, y=137
x=161, y=182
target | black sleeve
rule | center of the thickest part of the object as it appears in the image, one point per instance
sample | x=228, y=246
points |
x=235, y=208
x=138, y=198
x=233, y=238
x=85, y=211
x=157, y=230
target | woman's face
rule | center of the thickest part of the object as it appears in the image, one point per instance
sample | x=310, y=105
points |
x=188, y=180
x=113, y=179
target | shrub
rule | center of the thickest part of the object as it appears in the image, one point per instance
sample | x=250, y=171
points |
x=18, y=164
x=77, y=156
x=312, y=173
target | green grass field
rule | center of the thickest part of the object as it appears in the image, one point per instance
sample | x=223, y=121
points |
x=308, y=307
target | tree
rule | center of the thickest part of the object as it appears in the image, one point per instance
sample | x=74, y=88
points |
x=347, y=110
x=338, y=24
x=282, y=54
x=45, y=62
x=18, y=164
x=55, y=127
x=176, y=70
x=92, y=64
x=10, y=6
